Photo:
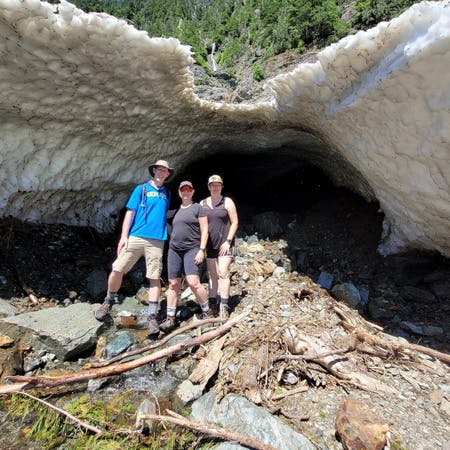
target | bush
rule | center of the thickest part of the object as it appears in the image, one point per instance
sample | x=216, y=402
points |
x=258, y=73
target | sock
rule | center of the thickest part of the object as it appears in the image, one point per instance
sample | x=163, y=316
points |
x=212, y=300
x=171, y=311
x=204, y=306
x=152, y=308
x=224, y=301
x=111, y=296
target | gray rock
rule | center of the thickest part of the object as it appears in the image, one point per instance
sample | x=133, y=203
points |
x=364, y=294
x=67, y=332
x=414, y=294
x=6, y=309
x=301, y=260
x=409, y=326
x=325, y=280
x=279, y=272
x=347, y=293
x=431, y=330
x=238, y=414
x=187, y=392
x=379, y=309
x=96, y=283
x=252, y=239
x=119, y=344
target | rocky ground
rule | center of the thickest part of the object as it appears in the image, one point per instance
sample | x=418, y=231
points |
x=391, y=302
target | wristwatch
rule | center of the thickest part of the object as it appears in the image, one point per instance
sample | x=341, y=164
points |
x=229, y=241
x=202, y=249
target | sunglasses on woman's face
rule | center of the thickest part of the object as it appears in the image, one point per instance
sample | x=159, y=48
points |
x=186, y=189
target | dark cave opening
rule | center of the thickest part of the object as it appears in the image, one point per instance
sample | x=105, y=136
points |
x=281, y=182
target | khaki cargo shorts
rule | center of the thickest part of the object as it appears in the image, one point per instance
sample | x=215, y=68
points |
x=151, y=249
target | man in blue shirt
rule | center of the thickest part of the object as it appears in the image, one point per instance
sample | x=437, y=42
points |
x=144, y=230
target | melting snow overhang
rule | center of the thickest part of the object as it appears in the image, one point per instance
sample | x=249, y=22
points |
x=87, y=101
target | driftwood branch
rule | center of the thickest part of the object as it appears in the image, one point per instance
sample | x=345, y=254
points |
x=403, y=347
x=298, y=390
x=316, y=357
x=160, y=343
x=89, y=374
x=65, y=413
x=221, y=433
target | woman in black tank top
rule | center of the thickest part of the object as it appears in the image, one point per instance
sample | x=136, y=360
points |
x=222, y=227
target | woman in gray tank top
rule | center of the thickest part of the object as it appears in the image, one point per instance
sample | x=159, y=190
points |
x=222, y=226
x=187, y=247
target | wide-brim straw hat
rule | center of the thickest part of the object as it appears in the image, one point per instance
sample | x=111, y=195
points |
x=162, y=163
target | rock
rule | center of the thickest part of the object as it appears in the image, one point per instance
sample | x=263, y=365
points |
x=96, y=283
x=436, y=397
x=364, y=294
x=445, y=407
x=119, y=344
x=67, y=332
x=379, y=308
x=325, y=280
x=441, y=289
x=6, y=309
x=431, y=330
x=96, y=384
x=187, y=392
x=11, y=361
x=142, y=296
x=300, y=259
x=279, y=272
x=143, y=423
x=411, y=293
x=358, y=428
x=5, y=341
x=252, y=239
x=347, y=293
x=245, y=276
x=409, y=326
x=268, y=224
x=239, y=414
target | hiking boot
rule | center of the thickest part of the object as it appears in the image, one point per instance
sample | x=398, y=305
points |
x=168, y=324
x=103, y=312
x=152, y=325
x=207, y=314
x=224, y=312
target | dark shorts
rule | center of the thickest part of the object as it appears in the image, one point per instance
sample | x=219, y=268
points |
x=179, y=260
x=212, y=253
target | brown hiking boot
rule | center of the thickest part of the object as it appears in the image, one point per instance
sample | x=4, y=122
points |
x=207, y=314
x=224, y=312
x=103, y=312
x=168, y=324
x=152, y=325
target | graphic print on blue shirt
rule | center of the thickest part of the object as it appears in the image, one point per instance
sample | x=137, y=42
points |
x=150, y=205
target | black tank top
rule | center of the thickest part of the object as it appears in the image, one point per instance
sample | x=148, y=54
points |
x=219, y=223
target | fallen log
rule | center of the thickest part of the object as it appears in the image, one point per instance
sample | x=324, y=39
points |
x=221, y=433
x=26, y=382
x=160, y=343
x=404, y=347
x=342, y=368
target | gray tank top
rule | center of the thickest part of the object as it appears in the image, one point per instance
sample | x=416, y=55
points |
x=219, y=223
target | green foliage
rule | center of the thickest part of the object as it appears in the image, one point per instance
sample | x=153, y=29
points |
x=244, y=28
x=258, y=73
x=371, y=12
x=51, y=430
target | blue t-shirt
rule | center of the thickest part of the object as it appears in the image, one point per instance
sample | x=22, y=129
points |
x=150, y=205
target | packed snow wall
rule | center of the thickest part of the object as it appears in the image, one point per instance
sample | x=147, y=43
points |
x=87, y=102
